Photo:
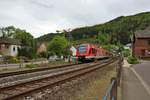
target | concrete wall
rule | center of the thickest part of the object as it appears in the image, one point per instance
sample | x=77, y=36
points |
x=5, y=49
x=10, y=50
x=13, y=50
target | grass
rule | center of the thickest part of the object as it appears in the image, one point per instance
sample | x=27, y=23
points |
x=96, y=89
x=4, y=69
x=57, y=63
x=50, y=64
x=33, y=66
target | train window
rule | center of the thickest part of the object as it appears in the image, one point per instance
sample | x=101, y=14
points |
x=82, y=49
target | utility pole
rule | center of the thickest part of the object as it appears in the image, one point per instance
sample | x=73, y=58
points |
x=68, y=35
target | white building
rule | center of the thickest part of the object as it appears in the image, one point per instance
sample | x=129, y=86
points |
x=73, y=50
x=9, y=46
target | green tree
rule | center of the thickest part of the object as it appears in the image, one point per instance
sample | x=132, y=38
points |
x=11, y=32
x=28, y=43
x=7, y=32
x=110, y=47
x=103, y=38
x=43, y=54
x=58, y=46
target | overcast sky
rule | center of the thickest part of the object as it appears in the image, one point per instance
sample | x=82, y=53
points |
x=44, y=16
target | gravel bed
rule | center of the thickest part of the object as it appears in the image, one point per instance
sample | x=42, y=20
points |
x=78, y=88
x=36, y=75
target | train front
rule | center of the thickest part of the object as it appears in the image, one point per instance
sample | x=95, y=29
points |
x=82, y=52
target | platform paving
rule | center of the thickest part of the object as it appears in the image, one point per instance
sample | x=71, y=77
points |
x=135, y=80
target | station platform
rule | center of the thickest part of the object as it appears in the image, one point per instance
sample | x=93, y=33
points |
x=135, y=81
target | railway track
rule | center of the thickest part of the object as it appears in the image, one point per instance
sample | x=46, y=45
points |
x=16, y=90
x=6, y=74
x=23, y=77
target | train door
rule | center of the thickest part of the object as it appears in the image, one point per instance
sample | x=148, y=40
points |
x=94, y=51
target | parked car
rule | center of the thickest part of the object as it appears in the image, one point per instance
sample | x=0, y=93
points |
x=54, y=58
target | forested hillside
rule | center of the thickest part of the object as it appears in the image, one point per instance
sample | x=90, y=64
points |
x=117, y=30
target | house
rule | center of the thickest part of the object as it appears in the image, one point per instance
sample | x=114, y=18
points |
x=41, y=47
x=141, y=43
x=9, y=46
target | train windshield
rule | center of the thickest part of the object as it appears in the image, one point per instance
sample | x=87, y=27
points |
x=82, y=48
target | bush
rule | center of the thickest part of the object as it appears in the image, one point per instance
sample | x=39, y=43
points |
x=43, y=55
x=31, y=66
x=10, y=59
x=132, y=60
x=126, y=53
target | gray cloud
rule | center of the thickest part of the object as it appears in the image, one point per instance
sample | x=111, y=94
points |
x=43, y=16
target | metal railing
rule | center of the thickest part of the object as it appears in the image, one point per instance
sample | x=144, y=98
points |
x=111, y=93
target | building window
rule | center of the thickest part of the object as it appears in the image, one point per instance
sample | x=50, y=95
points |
x=148, y=42
x=14, y=49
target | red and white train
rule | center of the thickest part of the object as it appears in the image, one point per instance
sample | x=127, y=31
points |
x=90, y=52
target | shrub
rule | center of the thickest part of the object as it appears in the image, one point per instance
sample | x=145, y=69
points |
x=14, y=60
x=132, y=60
x=43, y=55
x=126, y=53
x=10, y=59
x=31, y=66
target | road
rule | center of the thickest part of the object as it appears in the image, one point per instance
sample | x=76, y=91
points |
x=143, y=70
x=136, y=81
